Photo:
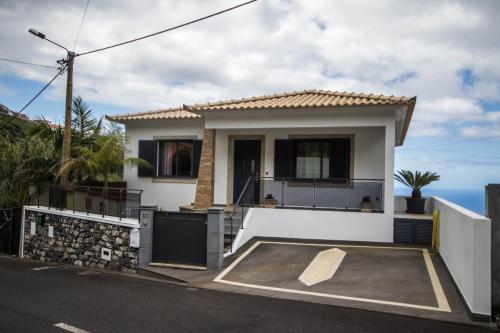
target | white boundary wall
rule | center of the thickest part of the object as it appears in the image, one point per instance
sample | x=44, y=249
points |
x=465, y=246
x=316, y=224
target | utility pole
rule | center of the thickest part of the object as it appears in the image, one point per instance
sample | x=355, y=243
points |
x=68, y=62
x=66, y=153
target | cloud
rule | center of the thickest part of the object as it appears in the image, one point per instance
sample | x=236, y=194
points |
x=392, y=47
x=449, y=109
x=424, y=129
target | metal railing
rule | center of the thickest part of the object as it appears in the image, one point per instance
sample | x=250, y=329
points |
x=349, y=194
x=238, y=211
x=104, y=201
x=353, y=194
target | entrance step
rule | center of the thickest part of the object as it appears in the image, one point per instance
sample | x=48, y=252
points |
x=158, y=273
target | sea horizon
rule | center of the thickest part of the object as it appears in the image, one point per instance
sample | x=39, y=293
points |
x=472, y=199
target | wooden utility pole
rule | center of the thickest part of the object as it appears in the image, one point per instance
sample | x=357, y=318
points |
x=66, y=153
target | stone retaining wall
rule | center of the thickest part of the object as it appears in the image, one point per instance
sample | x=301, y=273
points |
x=78, y=242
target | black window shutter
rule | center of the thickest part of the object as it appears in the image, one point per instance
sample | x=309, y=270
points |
x=340, y=156
x=196, y=157
x=283, y=158
x=147, y=151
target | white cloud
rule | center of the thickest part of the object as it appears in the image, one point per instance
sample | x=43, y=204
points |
x=449, y=109
x=392, y=47
x=424, y=129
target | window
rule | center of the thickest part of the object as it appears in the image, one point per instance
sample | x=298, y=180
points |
x=175, y=158
x=313, y=158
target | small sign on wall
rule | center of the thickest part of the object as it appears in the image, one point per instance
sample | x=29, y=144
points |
x=134, y=238
x=106, y=254
x=33, y=228
x=51, y=231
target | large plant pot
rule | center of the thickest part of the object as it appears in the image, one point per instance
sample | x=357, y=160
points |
x=270, y=203
x=366, y=206
x=415, y=205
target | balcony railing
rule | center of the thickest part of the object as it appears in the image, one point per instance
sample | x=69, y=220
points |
x=329, y=194
x=104, y=201
x=366, y=195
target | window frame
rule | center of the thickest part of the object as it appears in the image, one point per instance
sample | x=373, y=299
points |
x=160, y=155
x=328, y=179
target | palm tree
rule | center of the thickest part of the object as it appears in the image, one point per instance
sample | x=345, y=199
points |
x=44, y=147
x=106, y=163
x=416, y=180
x=86, y=127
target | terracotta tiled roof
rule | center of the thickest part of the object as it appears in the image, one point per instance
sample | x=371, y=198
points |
x=173, y=113
x=297, y=99
x=304, y=99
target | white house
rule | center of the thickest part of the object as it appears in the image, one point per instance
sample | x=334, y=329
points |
x=316, y=153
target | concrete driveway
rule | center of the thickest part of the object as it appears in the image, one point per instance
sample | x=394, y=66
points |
x=400, y=280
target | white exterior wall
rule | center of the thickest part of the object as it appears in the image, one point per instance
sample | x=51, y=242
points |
x=369, y=152
x=168, y=195
x=465, y=246
x=373, y=150
x=315, y=224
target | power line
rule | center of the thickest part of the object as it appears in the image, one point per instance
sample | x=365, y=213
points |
x=81, y=24
x=17, y=114
x=169, y=29
x=27, y=63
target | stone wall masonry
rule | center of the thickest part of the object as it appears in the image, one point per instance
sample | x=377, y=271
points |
x=79, y=242
x=204, y=197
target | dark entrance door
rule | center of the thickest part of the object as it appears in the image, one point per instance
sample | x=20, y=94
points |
x=180, y=238
x=246, y=164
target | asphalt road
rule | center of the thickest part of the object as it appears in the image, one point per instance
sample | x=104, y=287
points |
x=36, y=300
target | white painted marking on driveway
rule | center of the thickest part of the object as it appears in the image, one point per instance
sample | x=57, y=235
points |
x=43, y=268
x=70, y=328
x=322, y=267
x=436, y=285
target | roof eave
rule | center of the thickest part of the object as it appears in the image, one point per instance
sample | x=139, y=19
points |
x=406, y=125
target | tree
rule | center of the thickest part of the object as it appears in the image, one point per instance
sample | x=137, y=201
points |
x=106, y=163
x=86, y=128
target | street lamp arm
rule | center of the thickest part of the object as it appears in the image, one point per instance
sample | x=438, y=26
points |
x=48, y=40
x=42, y=36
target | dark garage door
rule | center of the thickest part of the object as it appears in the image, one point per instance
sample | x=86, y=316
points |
x=180, y=238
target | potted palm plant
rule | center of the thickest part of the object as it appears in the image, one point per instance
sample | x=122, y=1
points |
x=415, y=180
x=366, y=204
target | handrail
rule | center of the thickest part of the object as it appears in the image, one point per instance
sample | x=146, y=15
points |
x=235, y=206
x=243, y=191
x=102, y=187
x=319, y=189
x=324, y=179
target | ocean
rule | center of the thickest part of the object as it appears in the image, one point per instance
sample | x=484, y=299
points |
x=470, y=199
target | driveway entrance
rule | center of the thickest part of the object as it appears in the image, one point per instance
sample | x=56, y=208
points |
x=406, y=280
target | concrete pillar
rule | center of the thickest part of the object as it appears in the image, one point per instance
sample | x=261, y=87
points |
x=215, y=237
x=146, y=236
x=205, y=186
x=493, y=213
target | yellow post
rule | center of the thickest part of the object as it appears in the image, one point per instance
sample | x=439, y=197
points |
x=435, y=231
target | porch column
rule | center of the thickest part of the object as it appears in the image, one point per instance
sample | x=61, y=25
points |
x=205, y=187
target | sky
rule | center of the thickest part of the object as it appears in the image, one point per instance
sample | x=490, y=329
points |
x=444, y=52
